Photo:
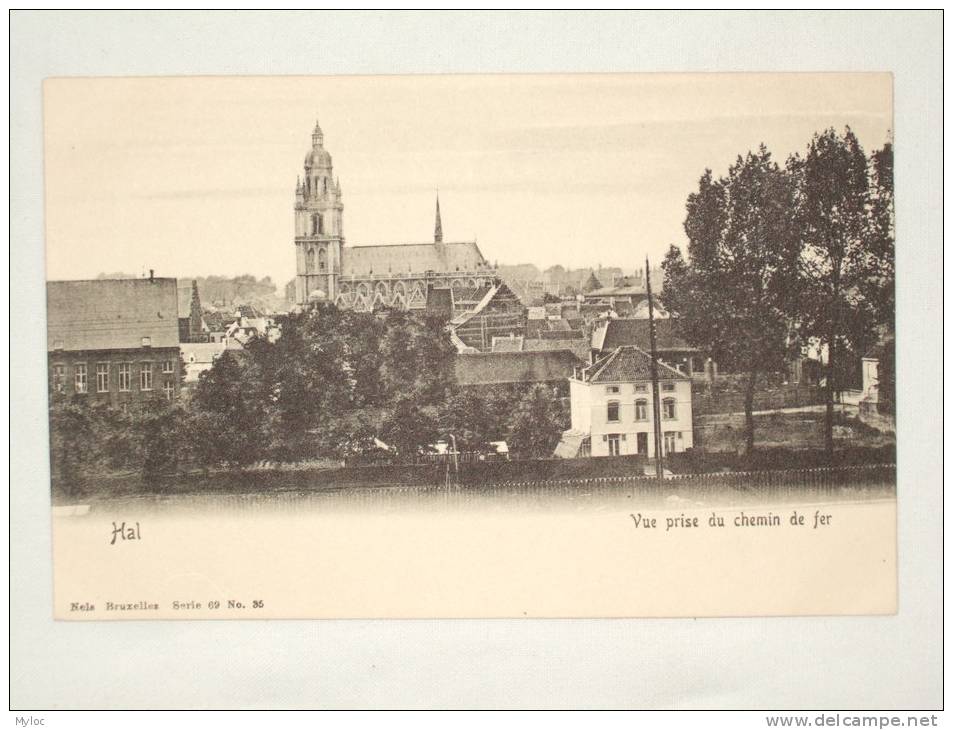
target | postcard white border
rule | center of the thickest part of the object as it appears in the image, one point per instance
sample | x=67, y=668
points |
x=883, y=662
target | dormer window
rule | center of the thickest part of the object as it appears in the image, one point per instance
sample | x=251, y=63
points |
x=58, y=344
x=147, y=342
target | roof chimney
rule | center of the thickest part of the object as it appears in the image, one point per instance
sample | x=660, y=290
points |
x=152, y=274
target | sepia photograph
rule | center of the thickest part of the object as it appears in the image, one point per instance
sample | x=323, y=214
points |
x=288, y=314
x=531, y=360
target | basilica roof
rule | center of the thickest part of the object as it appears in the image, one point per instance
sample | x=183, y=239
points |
x=412, y=258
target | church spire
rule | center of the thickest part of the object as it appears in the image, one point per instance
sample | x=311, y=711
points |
x=438, y=227
x=317, y=136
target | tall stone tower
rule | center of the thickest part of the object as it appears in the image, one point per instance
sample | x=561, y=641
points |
x=319, y=235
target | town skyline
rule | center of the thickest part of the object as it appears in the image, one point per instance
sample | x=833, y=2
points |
x=193, y=176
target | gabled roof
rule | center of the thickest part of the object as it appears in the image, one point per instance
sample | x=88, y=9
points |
x=617, y=291
x=635, y=332
x=440, y=302
x=592, y=283
x=202, y=352
x=579, y=347
x=626, y=365
x=500, y=289
x=498, y=368
x=110, y=314
x=414, y=258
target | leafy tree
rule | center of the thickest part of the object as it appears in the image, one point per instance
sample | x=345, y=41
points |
x=887, y=378
x=159, y=433
x=734, y=296
x=878, y=285
x=71, y=434
x=227, y=427
x=477, y=416
x=536, y=422
x=847, y=241
x=337, y=379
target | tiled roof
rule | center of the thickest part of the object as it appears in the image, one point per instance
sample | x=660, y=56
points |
x=217, y=321
x=467, y=294
x=491, y=368
x=412, y=258
x=440, y=302
x=626, y=365
x=617, y=291
x=507, y=344
x=201, y=352
x=559, y=328
x=107, y=314
x=624, y=332
x=499, y=291
x=579, y=347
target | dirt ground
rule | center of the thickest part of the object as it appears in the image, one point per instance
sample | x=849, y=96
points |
x=798, y=429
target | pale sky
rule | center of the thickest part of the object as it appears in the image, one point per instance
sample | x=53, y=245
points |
x=196, y=175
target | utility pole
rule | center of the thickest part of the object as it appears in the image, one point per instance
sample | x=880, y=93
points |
x=656, y=415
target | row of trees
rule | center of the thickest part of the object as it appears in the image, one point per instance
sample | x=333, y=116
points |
x=781, y=256
x=332, y=386
x=336, y=382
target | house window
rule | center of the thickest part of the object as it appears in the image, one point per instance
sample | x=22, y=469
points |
x=641, y=410
x=169, y=389
x=102, y=377
x=612, y=389
x=612, y=411
x=125, y=376
x=668, y=409
x=670, y=437
x=145, y=376
x=613, y=444
x=668, y=386
x=322, y=259
x=59, y=377
x=641, y=389
x=79, y=378
x=167, y=367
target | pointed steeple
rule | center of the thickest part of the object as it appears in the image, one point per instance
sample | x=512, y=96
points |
x=438, y=227
x=195, y=314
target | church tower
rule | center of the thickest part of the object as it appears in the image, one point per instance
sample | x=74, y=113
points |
x=319, y=235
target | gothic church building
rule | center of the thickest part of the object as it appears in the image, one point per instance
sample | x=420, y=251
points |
x=366, y=277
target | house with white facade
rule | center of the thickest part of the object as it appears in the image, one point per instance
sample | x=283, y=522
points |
x=611, y=402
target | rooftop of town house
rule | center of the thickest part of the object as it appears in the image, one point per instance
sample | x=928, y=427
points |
x=626, y=365
x=635, y=332
x=112, y=314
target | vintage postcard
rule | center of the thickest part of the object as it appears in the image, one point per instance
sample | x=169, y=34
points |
x=591, y=345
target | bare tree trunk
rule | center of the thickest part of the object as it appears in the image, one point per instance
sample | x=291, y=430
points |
x=831, y=358
x=749, y=412
x=829, y=403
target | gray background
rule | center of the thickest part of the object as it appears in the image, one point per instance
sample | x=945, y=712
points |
x=862, y=662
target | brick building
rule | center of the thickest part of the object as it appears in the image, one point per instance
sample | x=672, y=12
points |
x=113, y=340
